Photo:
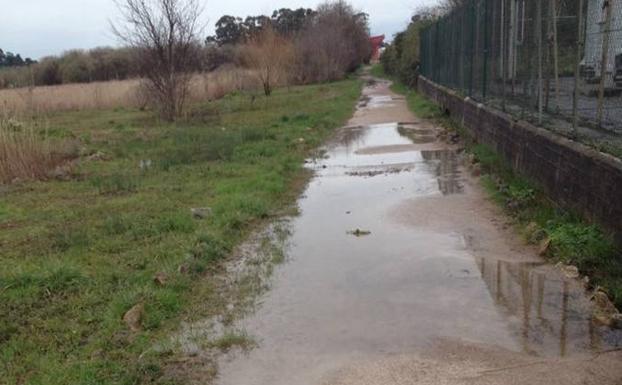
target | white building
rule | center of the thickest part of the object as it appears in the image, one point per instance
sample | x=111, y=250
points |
x=595, y=28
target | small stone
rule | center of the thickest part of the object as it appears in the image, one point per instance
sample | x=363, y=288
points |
x=359, y=232
x=476, y=170
x=531, y=228
x=160, y=278
x=98, y=156
x=570, y=271
x=586, y=281
x=603, y=303
x=200, y=212
x=544, y=247
x=604, y=311
x=145, y=164
x=61, y=173
x=133, y=317
x=603, y=319
x=301, y=140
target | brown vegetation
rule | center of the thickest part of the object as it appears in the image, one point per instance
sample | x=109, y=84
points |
x=26, y=155
x=334, y=42
x=271, y=56
x=36, y=101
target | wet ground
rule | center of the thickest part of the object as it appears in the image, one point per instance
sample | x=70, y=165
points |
x=399, y=271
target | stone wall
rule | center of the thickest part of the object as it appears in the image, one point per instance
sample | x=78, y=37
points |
x=575, y=176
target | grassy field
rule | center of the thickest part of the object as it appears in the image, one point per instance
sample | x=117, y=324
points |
x=572, y=240
x=78, y=253
x=37, y=101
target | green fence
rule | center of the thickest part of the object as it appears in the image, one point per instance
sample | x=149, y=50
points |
x=553, y=62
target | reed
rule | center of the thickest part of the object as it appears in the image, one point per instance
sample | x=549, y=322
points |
x=25, y=154
x=38, y=101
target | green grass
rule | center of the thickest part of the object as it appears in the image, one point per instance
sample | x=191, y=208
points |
x=572, y=239
x=78, y=254
x=233, y=339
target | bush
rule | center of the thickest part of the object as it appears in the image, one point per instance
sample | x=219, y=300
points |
x=401, y=58
x=333, y=42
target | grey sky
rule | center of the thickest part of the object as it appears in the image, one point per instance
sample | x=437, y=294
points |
x=36, y=28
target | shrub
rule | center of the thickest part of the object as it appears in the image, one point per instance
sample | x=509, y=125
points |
x=333, y=42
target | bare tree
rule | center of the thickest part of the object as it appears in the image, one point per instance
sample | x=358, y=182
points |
x=271, y=56
x=166, y=33
x=333, y=42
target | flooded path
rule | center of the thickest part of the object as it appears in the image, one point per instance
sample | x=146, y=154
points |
x=438, y=292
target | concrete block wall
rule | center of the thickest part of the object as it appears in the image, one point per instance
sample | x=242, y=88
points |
x=575, y=176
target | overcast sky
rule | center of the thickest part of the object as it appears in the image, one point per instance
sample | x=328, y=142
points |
x=37, y=28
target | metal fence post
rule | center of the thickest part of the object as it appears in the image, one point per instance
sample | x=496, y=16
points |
x=580, y=45
x=604, y=64
x=486, y=48
x=472, y=48
x=555, y=53
x=539, y=37
x=503, y=71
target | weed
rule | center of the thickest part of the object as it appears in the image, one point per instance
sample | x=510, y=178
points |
x=116, y=225
x=232, y=339
x=180, y=223
x=579, y=243
x=67, y=237
x=115, y=183
x=25, y=154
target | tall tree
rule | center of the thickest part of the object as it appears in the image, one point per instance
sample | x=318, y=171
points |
x=229, y=30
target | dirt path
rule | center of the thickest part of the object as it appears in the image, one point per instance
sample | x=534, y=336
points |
x=439, y=292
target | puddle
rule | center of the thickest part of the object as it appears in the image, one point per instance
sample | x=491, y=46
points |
x=341, y=299
x=376, y=101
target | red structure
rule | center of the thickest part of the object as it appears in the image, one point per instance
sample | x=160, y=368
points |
x=376, y=43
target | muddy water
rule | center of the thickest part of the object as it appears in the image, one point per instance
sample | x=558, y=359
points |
x=436, y=265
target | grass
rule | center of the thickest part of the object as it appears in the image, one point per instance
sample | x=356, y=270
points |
x=26, y=154
x=572, y=239
x=231, y=339
x=79, y=253
x=116, y=94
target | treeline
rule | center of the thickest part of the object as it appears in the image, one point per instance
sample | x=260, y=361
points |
x=401, y=58
x=321, y=45
x=235, y=30
x=9, y=59
x=326, y=42
x=76, y=66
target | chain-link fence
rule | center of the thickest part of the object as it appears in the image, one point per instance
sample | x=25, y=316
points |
x=557, y=63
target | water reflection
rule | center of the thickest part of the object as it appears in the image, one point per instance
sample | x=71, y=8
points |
x=446, y=164
x=386, y=148
x=549, y=314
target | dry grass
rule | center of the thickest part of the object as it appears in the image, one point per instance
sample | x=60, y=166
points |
x=38, y=101
x=24, y=154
